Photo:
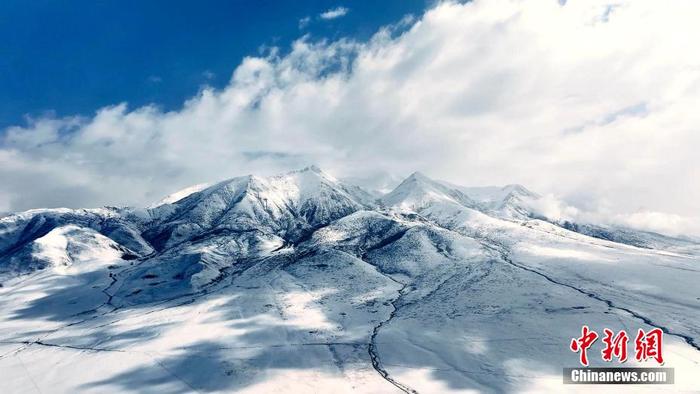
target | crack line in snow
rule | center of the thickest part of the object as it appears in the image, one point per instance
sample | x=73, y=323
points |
x=504, y=253
x=372, y=346
x=94, y=316
x=395, y=304
x=83, y=348
x=353, y=344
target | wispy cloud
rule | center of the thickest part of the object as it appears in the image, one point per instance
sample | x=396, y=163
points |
x=334, y=13
x=303, y=22
x=208, y=74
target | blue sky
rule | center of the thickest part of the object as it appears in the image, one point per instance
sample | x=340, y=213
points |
x=77, y=56
x=555, y=96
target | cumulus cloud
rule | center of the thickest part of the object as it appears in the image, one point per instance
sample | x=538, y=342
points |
x=594, y=103
x=334, y=13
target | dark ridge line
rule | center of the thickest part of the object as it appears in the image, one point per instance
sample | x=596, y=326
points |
x=494, y=246
x=307, y=235
x=386, y=241
x=31, y=231
x=83, y=348
x=353, y=344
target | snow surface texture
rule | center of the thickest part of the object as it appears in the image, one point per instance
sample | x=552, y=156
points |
x=301, y=283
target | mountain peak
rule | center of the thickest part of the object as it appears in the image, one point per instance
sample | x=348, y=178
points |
x=312, y=168
x=518, y=189
x=418, y=191
x=418, y=176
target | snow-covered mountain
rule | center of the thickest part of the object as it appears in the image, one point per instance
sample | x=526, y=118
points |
x=418, y=191
x=301, y=282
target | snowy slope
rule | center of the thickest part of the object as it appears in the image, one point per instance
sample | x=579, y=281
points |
x=180, y=194
x=302, y=283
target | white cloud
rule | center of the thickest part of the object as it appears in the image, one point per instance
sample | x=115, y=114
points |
x=554, y=208
x=592, y=103
x=303, y=22
x=208, y=74
x=660, y=222
x=334, y=13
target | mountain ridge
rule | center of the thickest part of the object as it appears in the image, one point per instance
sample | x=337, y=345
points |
x=290, y=204
x=300, y=277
